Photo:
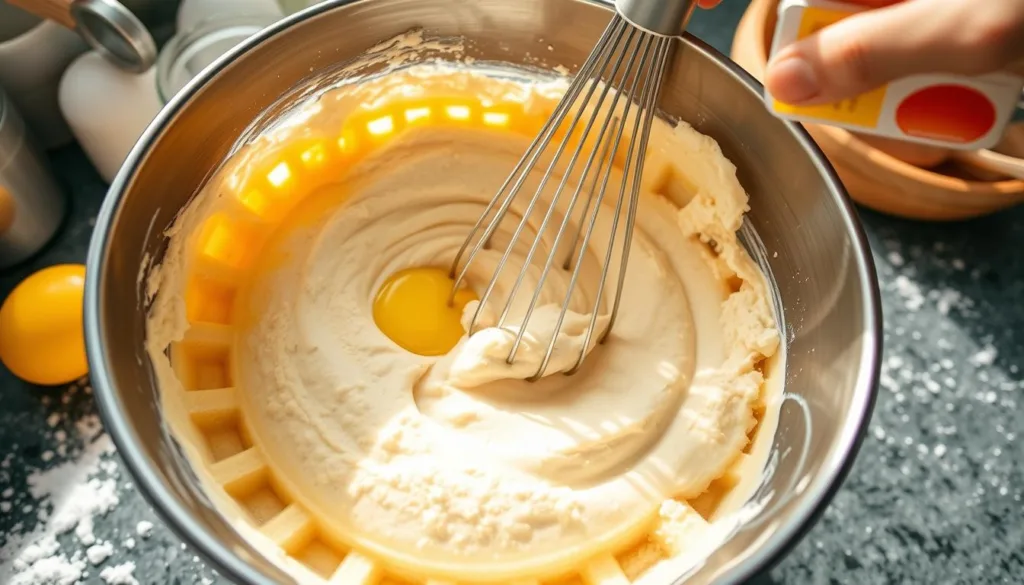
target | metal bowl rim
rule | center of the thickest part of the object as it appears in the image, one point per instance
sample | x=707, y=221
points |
x=818, y=494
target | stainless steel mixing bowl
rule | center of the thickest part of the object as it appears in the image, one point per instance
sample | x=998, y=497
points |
x=812, y=246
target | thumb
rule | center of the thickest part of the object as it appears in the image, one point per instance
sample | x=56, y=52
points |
x=871, y=48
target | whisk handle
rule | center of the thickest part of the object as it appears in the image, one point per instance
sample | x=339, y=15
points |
x=661, y=17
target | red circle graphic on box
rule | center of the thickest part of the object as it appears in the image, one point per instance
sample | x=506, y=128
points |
x=951, y=113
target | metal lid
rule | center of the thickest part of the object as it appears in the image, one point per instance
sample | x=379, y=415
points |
x=114, y=32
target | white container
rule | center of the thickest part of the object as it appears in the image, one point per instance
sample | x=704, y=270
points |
x=33, y=56
x=193, y=12
x=107, y=109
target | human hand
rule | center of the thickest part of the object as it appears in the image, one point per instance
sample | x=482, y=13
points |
x=896, y=39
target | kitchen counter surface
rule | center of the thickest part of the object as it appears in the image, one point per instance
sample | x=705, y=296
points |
x=935, y=495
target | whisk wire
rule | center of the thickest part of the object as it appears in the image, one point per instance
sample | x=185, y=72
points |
x=528, y=160
x=609, y=116
x=590, y=194
x=558, y=194
x=614, y=144
x=609, y=69
x=650, y=105
x=529, y=209
x=647, y=96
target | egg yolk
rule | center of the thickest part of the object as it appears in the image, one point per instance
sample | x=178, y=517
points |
x=412, y=309
x=42, y=340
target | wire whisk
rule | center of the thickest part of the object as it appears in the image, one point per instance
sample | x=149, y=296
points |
x=616, y=88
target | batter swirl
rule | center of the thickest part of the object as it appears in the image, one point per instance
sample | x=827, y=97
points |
x=454, y=464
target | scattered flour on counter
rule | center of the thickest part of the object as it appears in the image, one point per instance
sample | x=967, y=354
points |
x=99, y=552
x=144, y=529
x=123, y=574
x=947, y=299
x=97, y=497
x=985, y=357
x=74, y=509
x=78, y=491
x=42, y=562
x=80, y=483
x=910, y=291
x=67, y=498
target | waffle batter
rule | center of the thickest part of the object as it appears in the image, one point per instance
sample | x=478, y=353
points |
x=452, y=466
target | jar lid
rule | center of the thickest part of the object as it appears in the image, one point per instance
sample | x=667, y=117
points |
x=114, y=32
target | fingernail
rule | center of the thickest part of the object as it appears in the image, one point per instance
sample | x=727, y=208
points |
x=793, y=80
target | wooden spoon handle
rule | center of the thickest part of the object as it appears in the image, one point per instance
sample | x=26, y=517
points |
x=993, y=161
x=58, y=11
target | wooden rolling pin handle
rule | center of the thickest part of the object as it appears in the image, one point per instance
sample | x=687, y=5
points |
x=58, y=11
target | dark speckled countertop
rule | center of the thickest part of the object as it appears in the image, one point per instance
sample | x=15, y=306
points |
x=935, y=495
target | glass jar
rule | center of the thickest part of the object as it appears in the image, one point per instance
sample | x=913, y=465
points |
x=189, y=52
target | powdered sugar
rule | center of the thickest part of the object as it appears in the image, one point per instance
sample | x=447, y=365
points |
x=122, y=574
x=76, y=492
x=984, y=357
x=97, y=497
x=98, y=553
x=43, y=562
x=77, y=510
x=144, y=529
x=909, y=291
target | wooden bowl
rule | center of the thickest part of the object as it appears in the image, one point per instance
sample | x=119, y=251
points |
x=875, y=178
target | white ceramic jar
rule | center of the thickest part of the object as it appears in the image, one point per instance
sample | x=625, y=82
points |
x=107, y=108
